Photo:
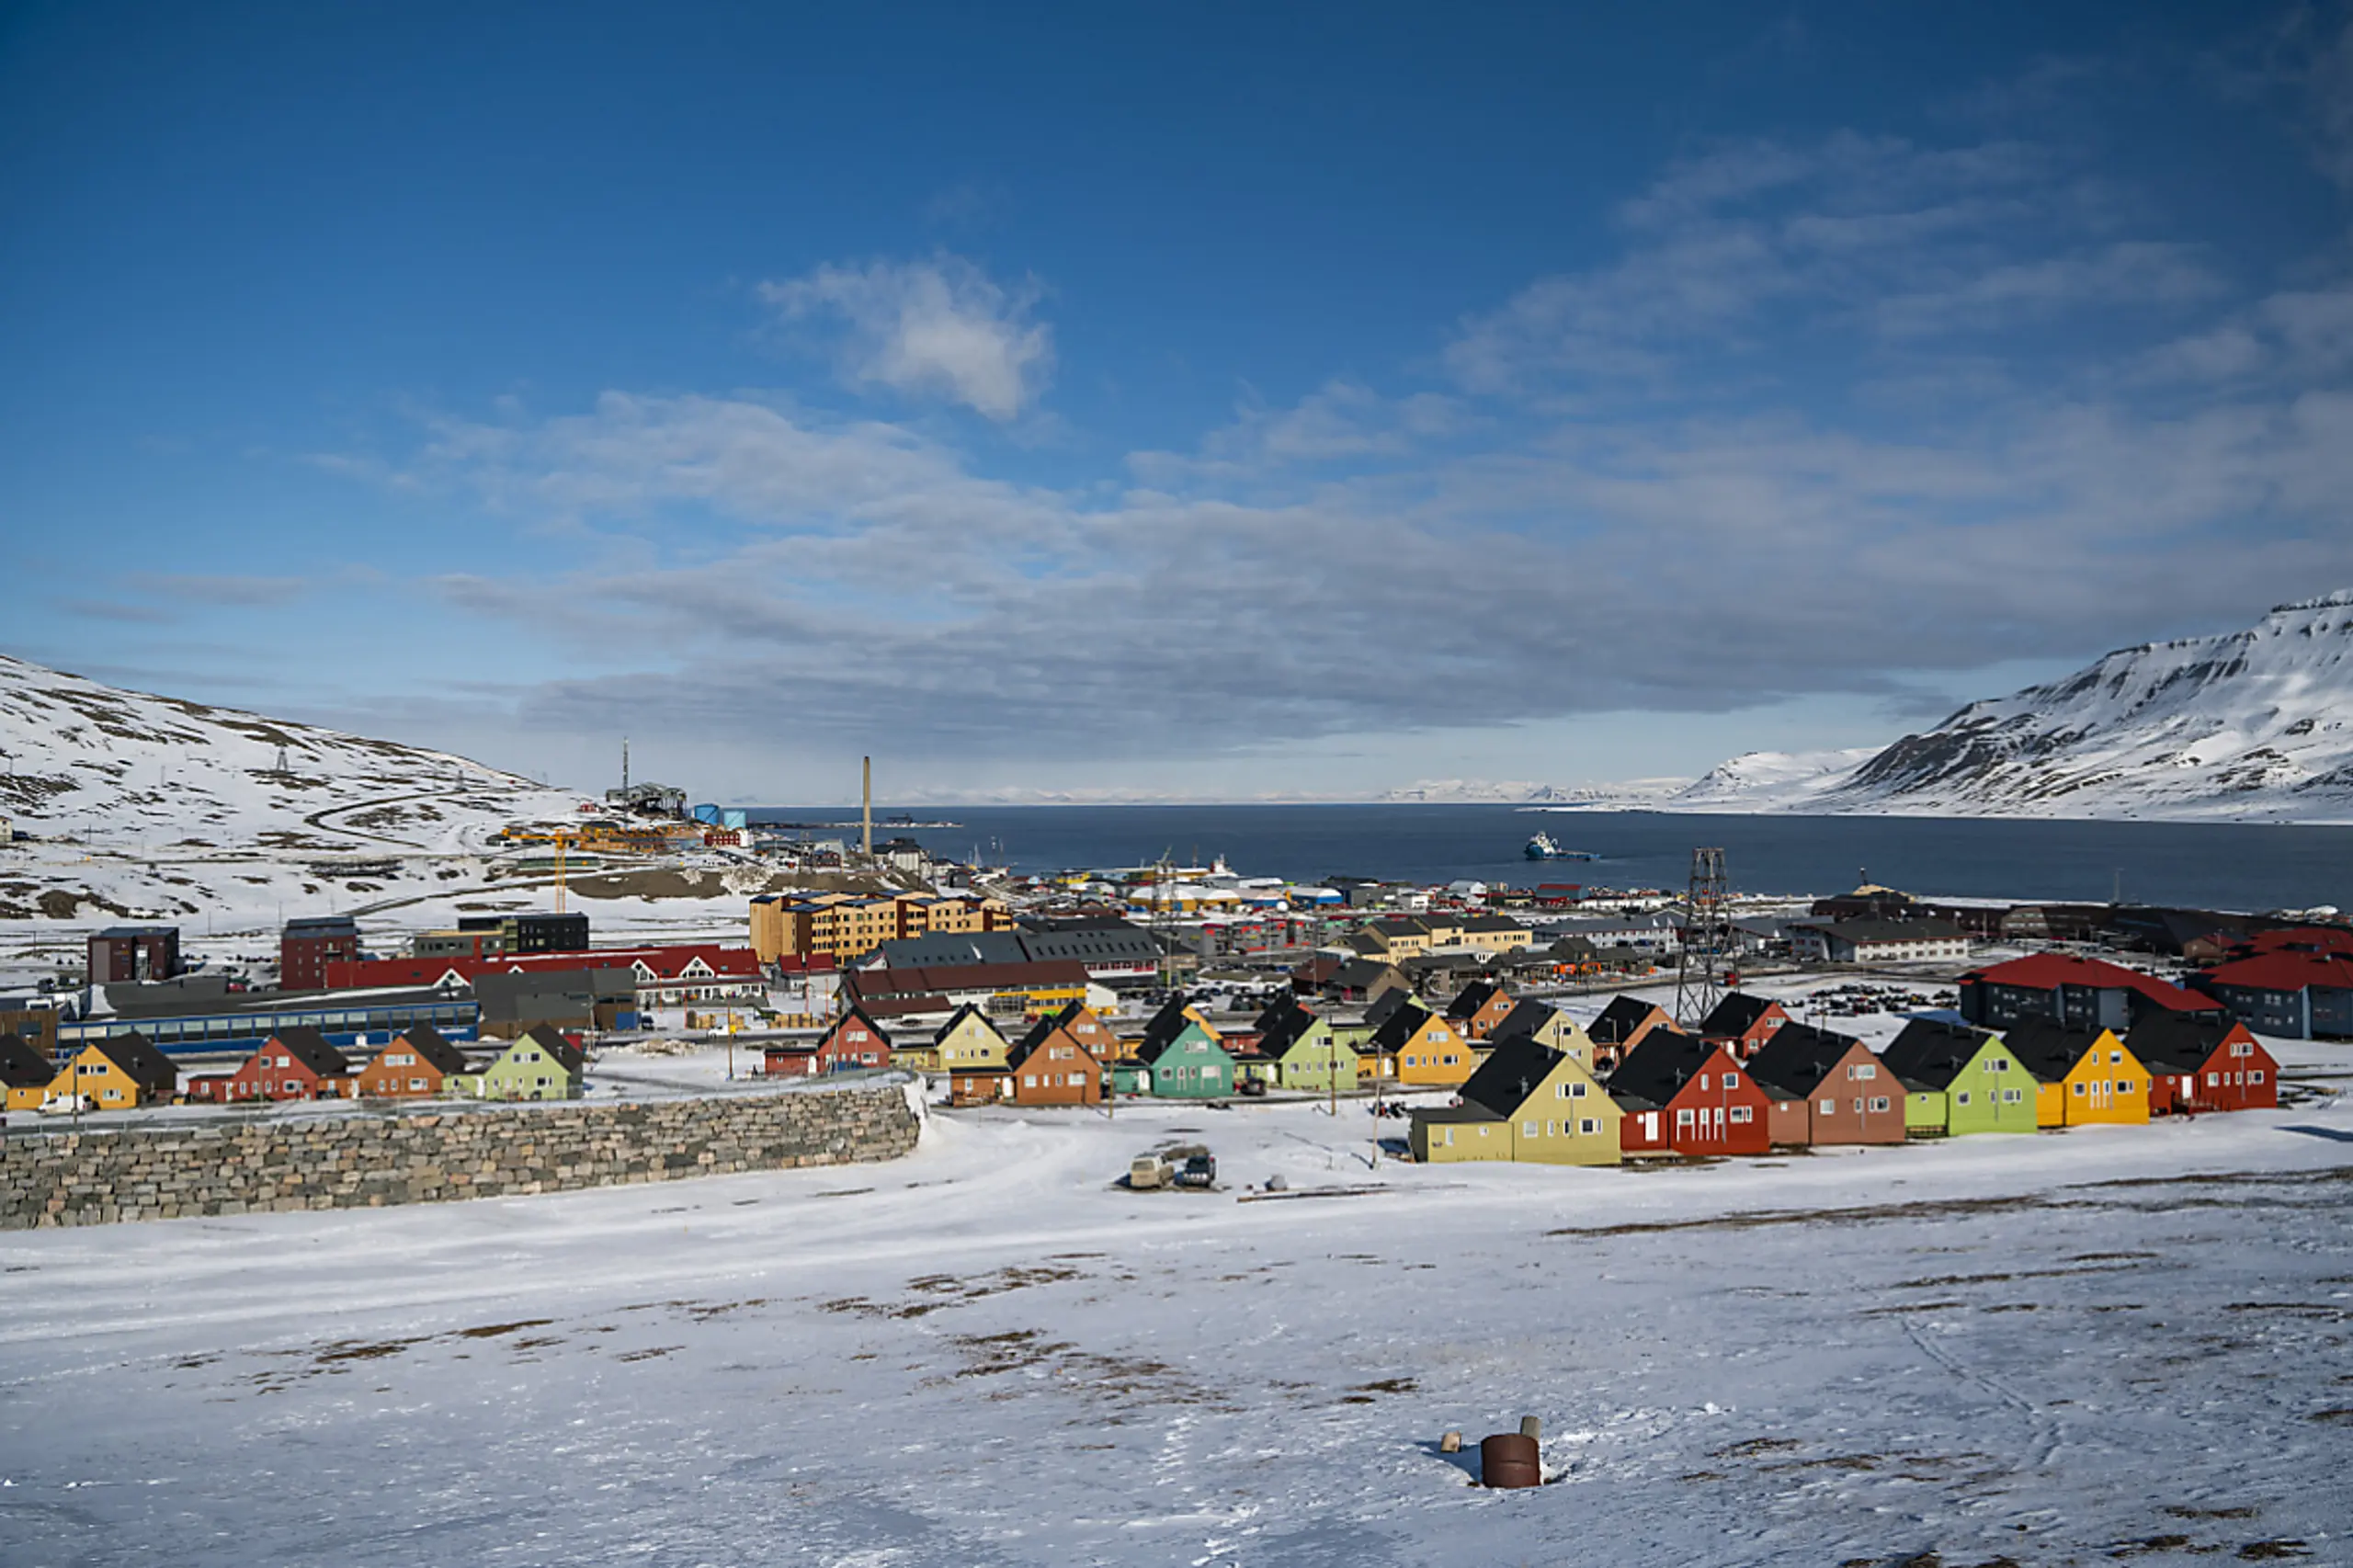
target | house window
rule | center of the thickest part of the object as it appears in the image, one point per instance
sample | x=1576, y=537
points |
x=1741, y=1113
x=1866, y=1070
x=2079, y=1091
x=2255, y=1076
x=1961, y=1099
x=1683, y=1118
x=1587, y=1125
x=1527, y=1129
x=1576, y=1091
x=416, y=1083
x=1703, y=1080
x=293, y=1086
x=1880, y=1103
x=1826, y=1107
x=2114, y=1057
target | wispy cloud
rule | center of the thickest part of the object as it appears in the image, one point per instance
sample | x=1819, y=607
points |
x=937, y=328
x=202, y=590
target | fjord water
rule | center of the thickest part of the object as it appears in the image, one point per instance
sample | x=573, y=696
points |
x=2224, y=865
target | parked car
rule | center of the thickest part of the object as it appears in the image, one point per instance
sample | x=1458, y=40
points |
x=67, y=1104
x=1200, y=1169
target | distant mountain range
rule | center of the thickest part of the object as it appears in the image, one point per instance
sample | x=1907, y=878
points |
x=2253, y=725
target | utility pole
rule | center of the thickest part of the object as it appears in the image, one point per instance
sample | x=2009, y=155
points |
x=1707, y=941
x=865, y=809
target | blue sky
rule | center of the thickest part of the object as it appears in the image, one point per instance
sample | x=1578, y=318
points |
x=1171, y=400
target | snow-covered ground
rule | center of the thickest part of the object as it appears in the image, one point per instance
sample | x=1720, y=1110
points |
x=2037, y=1350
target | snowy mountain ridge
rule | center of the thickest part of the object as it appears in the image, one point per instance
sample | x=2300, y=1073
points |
x=2244, y=725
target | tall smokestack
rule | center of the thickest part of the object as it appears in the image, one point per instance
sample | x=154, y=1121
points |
x=866, y=812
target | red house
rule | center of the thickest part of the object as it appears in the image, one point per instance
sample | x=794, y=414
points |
x=2203, y=1063
x=1682, y=1096
x=292, y=1064
x=1742, y=1023
x=854, y=1041
x=1826, y=1088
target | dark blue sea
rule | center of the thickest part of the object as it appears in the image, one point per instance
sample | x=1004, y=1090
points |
x=2226, y=866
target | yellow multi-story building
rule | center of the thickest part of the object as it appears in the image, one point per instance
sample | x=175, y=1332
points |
x=846, y=927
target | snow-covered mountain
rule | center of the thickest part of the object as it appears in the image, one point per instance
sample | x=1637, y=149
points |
x=1790, y=779
x=105, y=766
x=2247, y=725
x=1634, y=793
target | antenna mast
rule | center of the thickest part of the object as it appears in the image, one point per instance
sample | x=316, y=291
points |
x=1707, y=941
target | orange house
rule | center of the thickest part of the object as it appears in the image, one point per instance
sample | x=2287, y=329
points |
x=1426, y=1048
x=1622, y=1026
x=1478, y=1008
x=412, y=1067
x=1060, y=1060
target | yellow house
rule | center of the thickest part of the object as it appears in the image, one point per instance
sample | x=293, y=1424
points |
x=1547, y=1027
x=119, y=1073
x=2083, y=1077
x=1418, y=1047
x=1529, y=1104
x=968, y=1043
x=26, y=1073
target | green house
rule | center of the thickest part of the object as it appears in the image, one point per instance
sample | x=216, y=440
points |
x=1958, y=1080
x=539, y=1065
x=1298, y=1050
x=1187, y=1064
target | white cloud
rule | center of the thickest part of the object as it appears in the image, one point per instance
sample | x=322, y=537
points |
x=928, y=328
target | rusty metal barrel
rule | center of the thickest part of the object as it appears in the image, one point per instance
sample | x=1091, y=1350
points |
x=1509, y=1460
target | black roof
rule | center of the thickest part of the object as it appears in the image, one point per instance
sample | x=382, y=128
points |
x=1656, y=1069
x=305, y=1044
x=550, y=1039
x=1737, y=1014
x=1621, y=1019
x=1167, y=1023
x=1358, y=973
x=1273, y=1014
x=1399, y=1026
x=1931, y=1053
x=429, y=1043
x=1288, y=1028
x=137, y=1055
x=1470, y=998
x=2161, y=1038
x=23, y=1066
x=2046, y=1048
x=1387, y=1003
x=1526, y=1016
x=323, y=926
x=1798, y=1057
x=1509, y=1074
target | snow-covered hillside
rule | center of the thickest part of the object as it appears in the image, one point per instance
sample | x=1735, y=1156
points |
x=109, y=767
x=1789, y=779
x=2248, y=725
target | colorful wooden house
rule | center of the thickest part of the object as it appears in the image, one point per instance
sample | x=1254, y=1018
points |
x=1301, y=1052
x=1055, y=1064
x=415, y=1066
x=540, y=1064
x=968, y=1046
x=295, y=1064
x=26, y=1074
x=1420, y=1049
x=2083, y=1077
x=1682, y=1096
x=1547, y=1026
x=2198, y=1063
x=1528, y=1103
x=1622, y=1026
x=855, y=1040
x=1478, y=1008
x=1824, y=1088
x=1959, y=1080
x=1742, y=1023
x=119, y=1073
x=1185, y=1064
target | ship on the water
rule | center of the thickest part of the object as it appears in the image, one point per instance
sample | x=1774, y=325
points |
x=1541, y=848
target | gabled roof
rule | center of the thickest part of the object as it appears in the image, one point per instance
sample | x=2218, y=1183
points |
x=1399, y=925
x=1270, y=1017
x=1043, y=1029
x=1737, y=1014
x=309, y=1047
x=939, y=1036
x=1358, y=974
x=1930, y=1052
x=1490, y=923
x=137, y=1056
x=550, y=1039
x=859, y=1014
x=1511, y=1073
x=1526, y=1016
x=429, y=1044
x=2048, y=972
x=1289, y=1029
x=1386, y=1004
x=21, y=1065
x=1401, y=1026
x=2181, y=1041
x=2047, y=1049
x=1655, y=1071
x=1470, y=998
x=1152, y=1050
x=1621, y=1019
x=1798, y=1057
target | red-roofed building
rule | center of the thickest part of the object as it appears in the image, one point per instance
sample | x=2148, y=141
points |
x=670, y=976
x=2302, y=994
x=2079, y=993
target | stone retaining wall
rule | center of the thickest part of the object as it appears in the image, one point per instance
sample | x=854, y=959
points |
x=370, y=1158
